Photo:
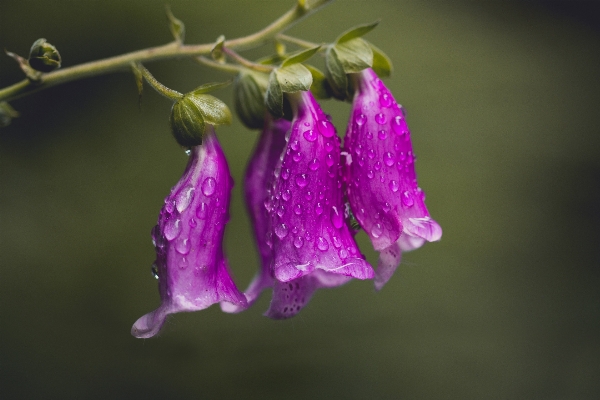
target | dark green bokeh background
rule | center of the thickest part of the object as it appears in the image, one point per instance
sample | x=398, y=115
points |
x=503, y=102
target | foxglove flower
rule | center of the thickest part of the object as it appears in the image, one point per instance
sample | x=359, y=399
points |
x=190, y=265
x=310, y=239
x=382, y=184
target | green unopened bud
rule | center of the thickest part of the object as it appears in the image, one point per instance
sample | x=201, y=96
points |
x=249, y=98
x=187, y=123
x=43, y=56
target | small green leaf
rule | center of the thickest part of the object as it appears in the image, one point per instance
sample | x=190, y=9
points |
x=7, y=113
x=356, y=32
x=335, y=74
x=209, y=87
x=177, y=27
x=300, y=56
x=213, y=110
x=273, y=59
x=249, y=98
x=274, y=96
x=217, y=50
x=293, y=78
x=382, y=65
x=354, y=55
x=320, y=87
x=187, y=123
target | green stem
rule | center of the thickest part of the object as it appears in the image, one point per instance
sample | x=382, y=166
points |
x=234, y=69
x=299, y=42
x=247, y=63
x=167, y=51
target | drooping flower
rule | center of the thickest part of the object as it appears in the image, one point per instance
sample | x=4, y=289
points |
x=310, y=239
x=190, y=266
x=382, y=184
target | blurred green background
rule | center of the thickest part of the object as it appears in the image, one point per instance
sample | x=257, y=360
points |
x=502, y=99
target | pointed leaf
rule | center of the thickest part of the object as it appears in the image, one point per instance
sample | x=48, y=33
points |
x=320, y=87
x=209, y=87
x=7, y=113
x=356, y=32
x=274, y=96
x=354, y=55
x=177, y=27
x=273, y=59
x=139, y=78
x=217, y=50
x=300, y=56
x=382, y=65
x=335, y=74
x=213, y=110
x=293, y=78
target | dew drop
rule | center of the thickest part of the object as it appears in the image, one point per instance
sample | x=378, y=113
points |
x=183, y=246
x=184, y=198
x=328, y=146
x=382, y=134
x=286, y=195
x=388, y=159
x=343, y=253
x=301, y=180
x=307, y=236
x=397, y=125
x=358, y=150
x=370, y=174
x=201, y=211
x=188, y=152
x=192, y=223
x=394, y=187
x=314, y=165
x=154, y=271
x=329, y=160
x=385, y=100
x=183, y=263
x=295, y=145
x=387, y=207
x=169, y=206
x=369, y=135
x=322, y=243
x=308, y=196
x=371, y=154
x=407, y=199
x=336, y=242
x=306, y=123
x=360, y=119
x=380, y=118
x=298, y=242
x=376, y=231
x=361, y=161
x=326, y=128
x=281, y=231
x=377, y=166
x=336, y=218
x=310, y=135
x=209, y=186
x=285, y=174
x=298, y=209
x=318, y=209
x=281, y=211
x=172, y=229
x=297, y=156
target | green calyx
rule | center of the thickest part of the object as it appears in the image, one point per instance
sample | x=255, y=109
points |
x=43, y=56
x=249, y=90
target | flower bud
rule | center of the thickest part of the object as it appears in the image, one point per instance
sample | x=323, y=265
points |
x=191, y=113
x=43, y=56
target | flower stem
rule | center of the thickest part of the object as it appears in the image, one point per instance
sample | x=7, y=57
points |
x=167, y=51
x=299, y=42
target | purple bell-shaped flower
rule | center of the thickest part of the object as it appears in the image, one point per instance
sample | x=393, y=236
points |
x=190, y=266
x=382, y=184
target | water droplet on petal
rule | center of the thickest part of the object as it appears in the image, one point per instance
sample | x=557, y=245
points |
x=380, y=118
x=308, y=196
x=336, y=242
x=192, y=222
x=377, y=166
x=397, y=125
x=371, y=154
x=172, y=229
x=370, y=174
x=281, y=231
x=314, y=165
x=301, y=180
x=298, y=242
x=322, y=243
x=376, y=231
x=285, y=174
x=360, y=119
x=183, y=246
x=209, y=186
x=326, y=128
x=343, y=253
x=407, y=199
x=298, y=209
x=154, y=271
x=388, y=159
x=358, y=150
x=306, y=123
x=394, y=187
x=188, y=152
x=297, y=156
x=184, y=198
x=201, y=211
x=336, y=218
x=382, y=134
x=328, y=146
x=310, y=135
x=281, y=210
x=307, y=236
x=369, y=135
x=286, y=195
x=387, y=207
x=169, y=206
x=329, y=160
x=318, y=209
x=295, y=145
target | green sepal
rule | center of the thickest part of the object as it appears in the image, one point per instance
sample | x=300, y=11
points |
x=300, y=56
x=273, y=59
x=356, y=32
x=139, y=78
x=209, y=87
x=249, y=98
x=7, y=113
x=274, y=96
x=187, y=123
x=354, y=55
x=382, y=65
x=176, y=26
x=320, y=87
x=43, y=56
x=213, y=110
x=336, y=76
x=217, y=50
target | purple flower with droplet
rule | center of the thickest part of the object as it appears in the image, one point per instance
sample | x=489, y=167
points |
x=381, y=181
x=190, y=266
x=308, y=233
